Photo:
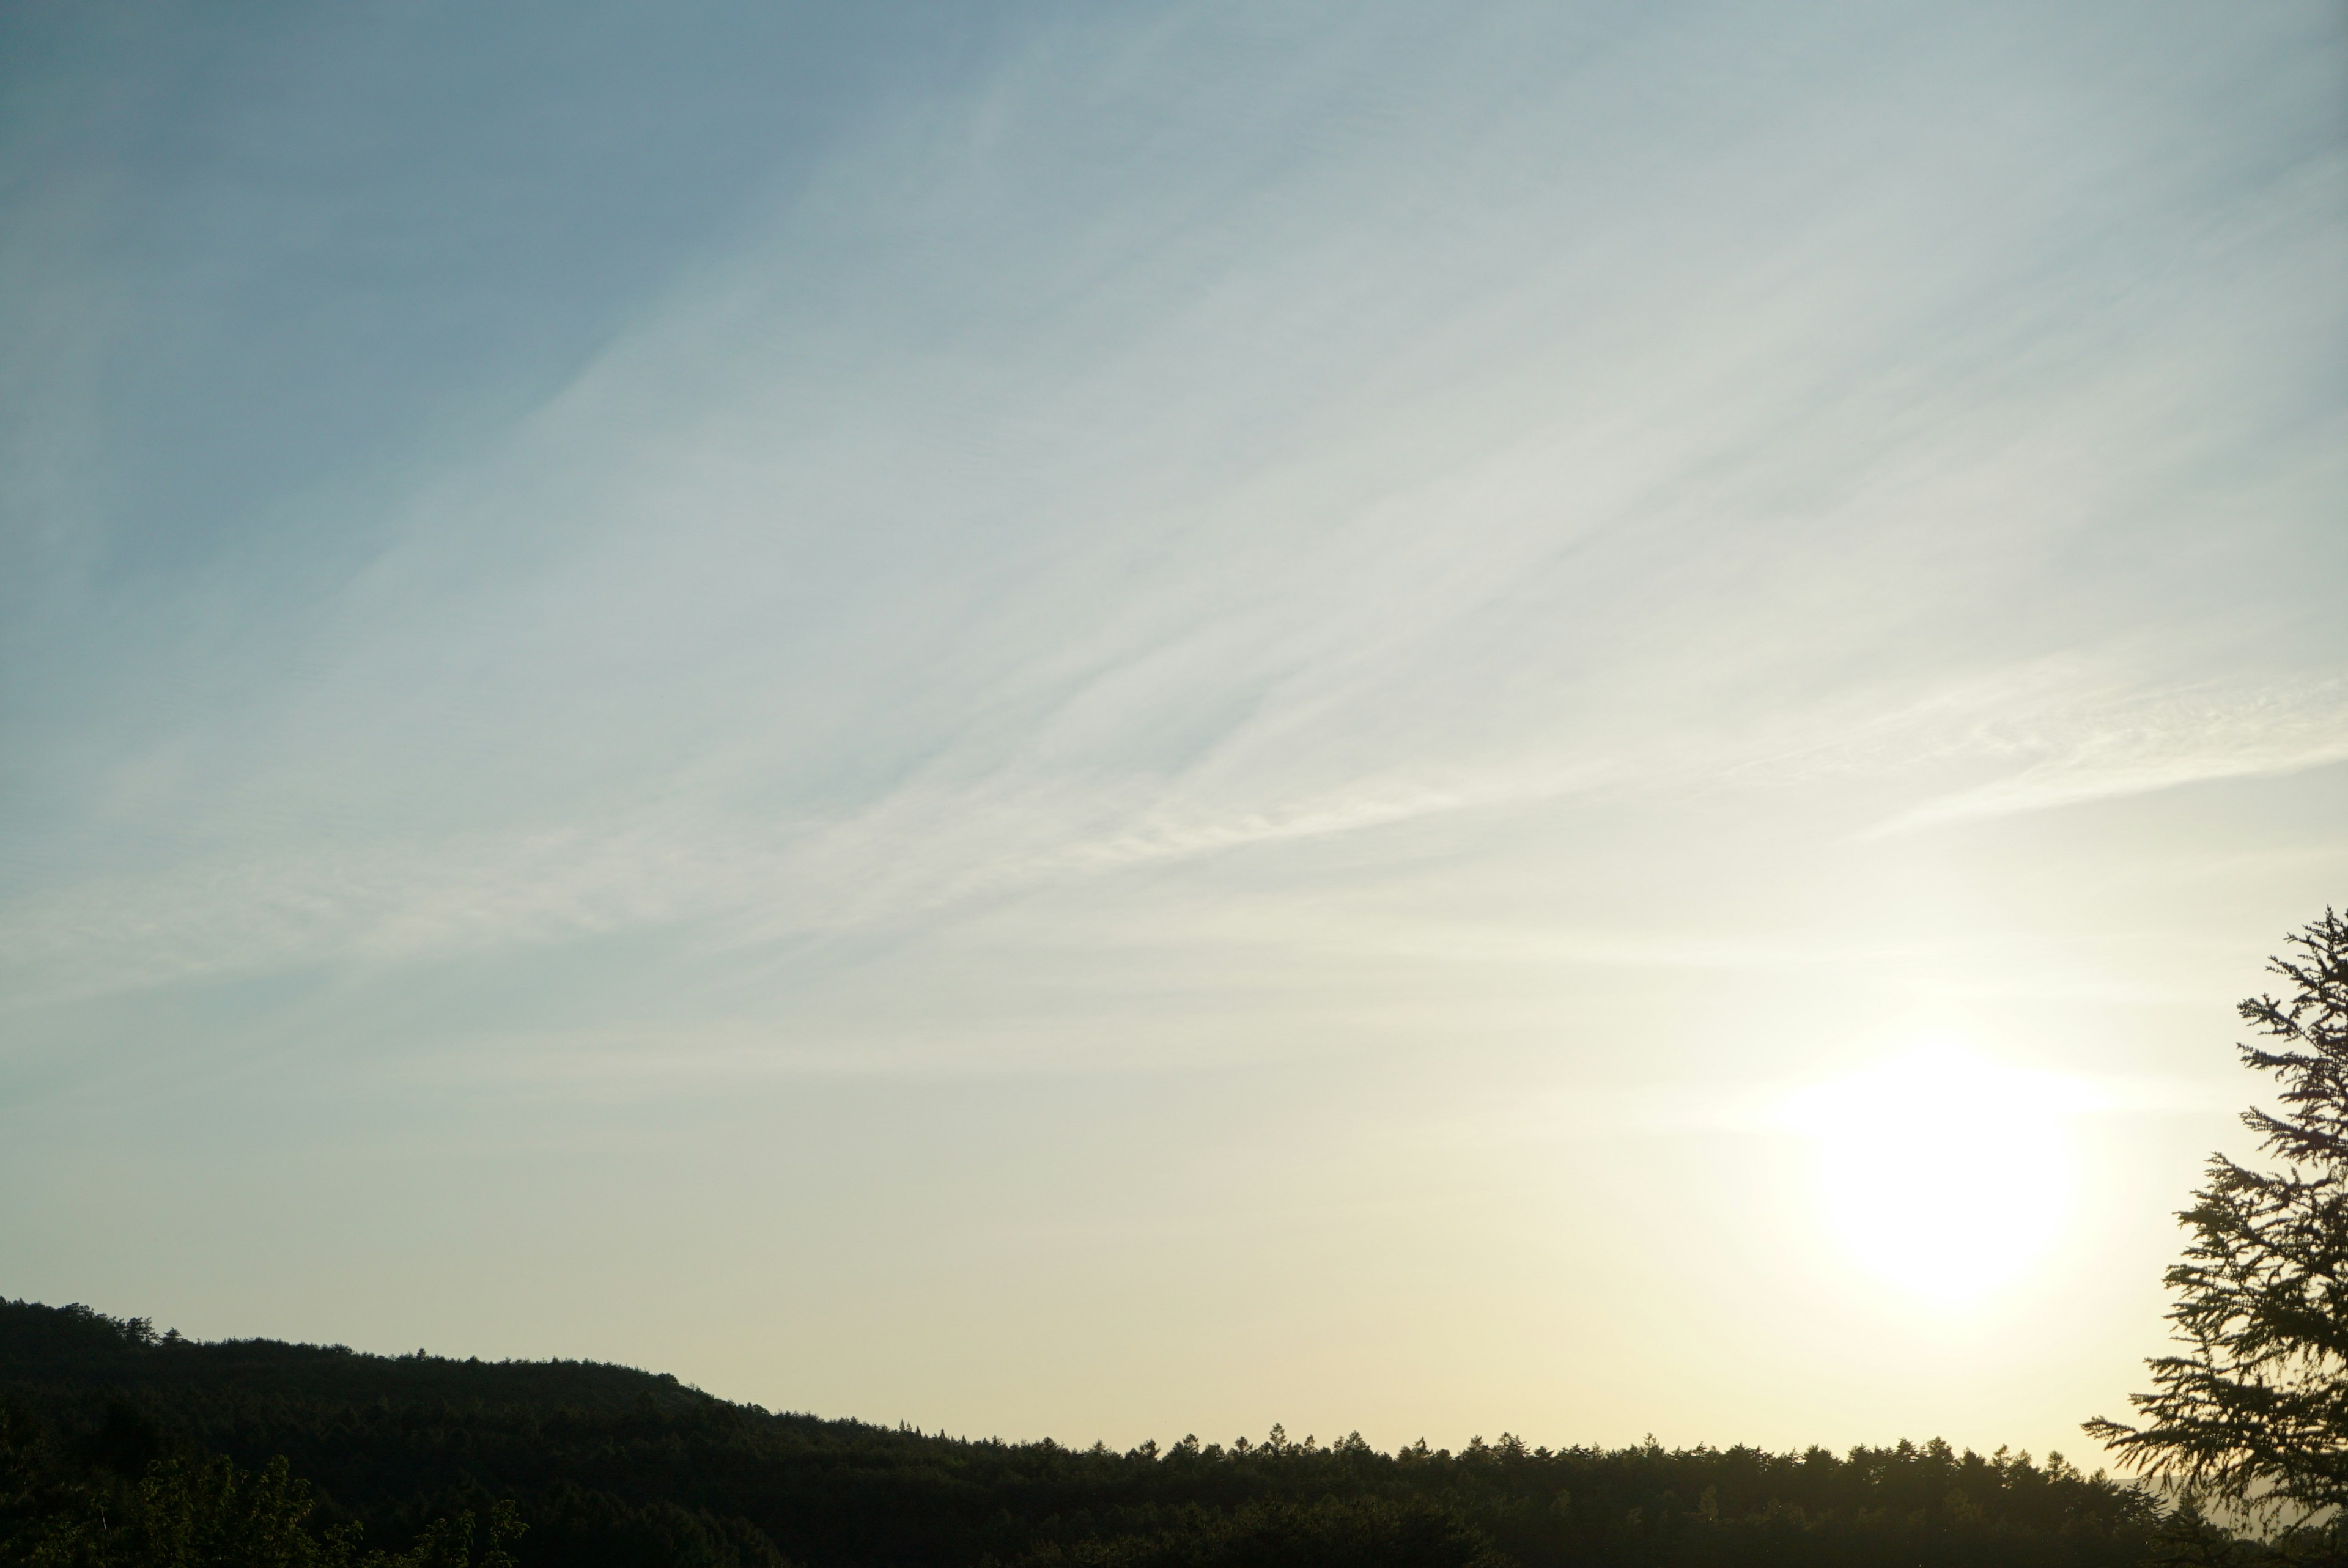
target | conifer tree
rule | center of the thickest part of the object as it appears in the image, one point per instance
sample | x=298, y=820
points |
x=2253, y=1413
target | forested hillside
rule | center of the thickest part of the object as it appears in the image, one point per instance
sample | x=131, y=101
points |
x=607, y=1465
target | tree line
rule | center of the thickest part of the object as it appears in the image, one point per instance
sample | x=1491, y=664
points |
x=597, y=1465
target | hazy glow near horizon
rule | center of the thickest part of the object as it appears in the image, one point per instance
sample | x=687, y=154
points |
x=1126, y=719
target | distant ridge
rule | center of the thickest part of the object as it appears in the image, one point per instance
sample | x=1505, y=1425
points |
x=76, y=1347
x=611, y=1467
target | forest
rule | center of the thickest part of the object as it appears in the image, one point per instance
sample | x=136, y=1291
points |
x=119, y=1445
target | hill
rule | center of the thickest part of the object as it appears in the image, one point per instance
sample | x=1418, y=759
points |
x=609, y=1465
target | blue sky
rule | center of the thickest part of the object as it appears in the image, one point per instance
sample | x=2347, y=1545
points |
x=870, y=701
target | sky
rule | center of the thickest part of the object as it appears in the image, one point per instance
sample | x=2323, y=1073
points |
x=1117, y=720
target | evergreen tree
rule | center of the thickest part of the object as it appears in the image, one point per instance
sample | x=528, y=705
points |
x=2254, y=1412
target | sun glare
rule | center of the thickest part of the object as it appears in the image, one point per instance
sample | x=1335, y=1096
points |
x=1943, y=1173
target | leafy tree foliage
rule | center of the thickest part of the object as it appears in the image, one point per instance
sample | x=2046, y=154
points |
x=2254, y=1412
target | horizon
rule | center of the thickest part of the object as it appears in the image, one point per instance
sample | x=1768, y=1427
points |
x=1565, y=720
x=142, y=1332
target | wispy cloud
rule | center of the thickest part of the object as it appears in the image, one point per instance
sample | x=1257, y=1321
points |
x=1033, y=490
x=2111, y=746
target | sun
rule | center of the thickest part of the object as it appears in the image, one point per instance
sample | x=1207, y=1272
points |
x=1943, y=1173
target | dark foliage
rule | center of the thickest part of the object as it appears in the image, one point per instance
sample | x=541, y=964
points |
x=2254, y=1412
x=71, y=1501
x=605, y=1465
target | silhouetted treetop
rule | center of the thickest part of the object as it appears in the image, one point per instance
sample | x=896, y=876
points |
x=2253, y=1411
